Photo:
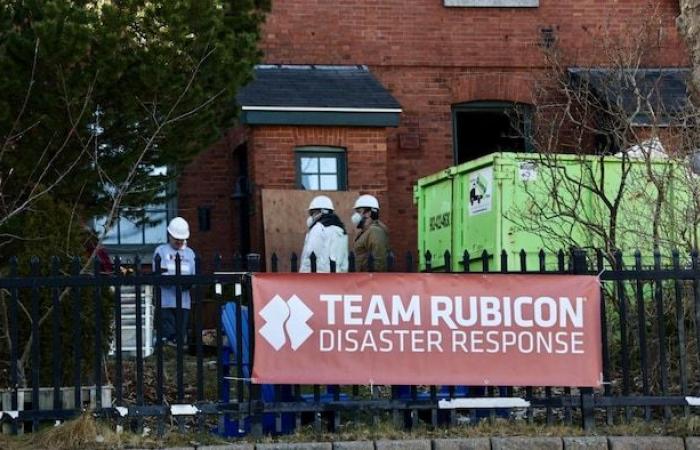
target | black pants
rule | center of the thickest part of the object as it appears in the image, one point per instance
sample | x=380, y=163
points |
x=168, y=317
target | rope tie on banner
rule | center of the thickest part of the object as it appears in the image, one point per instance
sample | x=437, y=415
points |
x=597, y=278
x=238, y=379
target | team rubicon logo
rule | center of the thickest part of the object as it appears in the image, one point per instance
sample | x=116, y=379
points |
x=286, y=319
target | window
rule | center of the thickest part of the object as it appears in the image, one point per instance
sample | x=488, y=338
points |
x=145, y=225
x=481, y=128
x=136, y=226
x=493, y=3
x=321, y=168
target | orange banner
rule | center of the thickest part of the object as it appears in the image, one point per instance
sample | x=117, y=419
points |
x=441, y=329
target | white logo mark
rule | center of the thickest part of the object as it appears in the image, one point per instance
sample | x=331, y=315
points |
x=291, y=315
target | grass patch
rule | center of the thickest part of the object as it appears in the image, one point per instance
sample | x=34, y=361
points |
x=86, y=432
x=385, y=430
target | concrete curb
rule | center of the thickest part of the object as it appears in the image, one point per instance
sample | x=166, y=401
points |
x=354, y=445
x=646, y=443
x=692, y=443
x=296, y=446
x=418, y=444
x=527, y=443
x=483, y=443
x=228, y=447
x=585, y=443
x=462, y=444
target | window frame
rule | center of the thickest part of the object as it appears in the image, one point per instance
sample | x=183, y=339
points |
x=161, y=208
x=340, y=155
x=168, y=206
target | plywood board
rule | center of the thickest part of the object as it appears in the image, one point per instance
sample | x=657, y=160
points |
x=284, y=220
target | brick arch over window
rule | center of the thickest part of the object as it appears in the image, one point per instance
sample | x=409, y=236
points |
x=504, y=86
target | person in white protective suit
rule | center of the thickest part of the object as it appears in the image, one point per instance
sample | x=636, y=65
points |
x=326, y=238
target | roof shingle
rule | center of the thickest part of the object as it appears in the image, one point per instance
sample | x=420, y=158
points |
x=636, y=91
x=315, y=87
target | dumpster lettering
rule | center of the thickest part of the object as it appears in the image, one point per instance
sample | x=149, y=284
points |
x=440, y=221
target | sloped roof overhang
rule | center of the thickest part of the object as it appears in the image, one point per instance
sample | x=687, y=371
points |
x=317, y=95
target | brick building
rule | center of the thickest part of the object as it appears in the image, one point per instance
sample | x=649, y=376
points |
x=446, y=72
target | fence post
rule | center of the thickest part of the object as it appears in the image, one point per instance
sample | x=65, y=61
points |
x=661, y=329
x=256, y=406
x=695, y=261
x=220, y=385
x=351, y=262
x=273, y=262
x=313, y=262
x=116, y=267
x=198, y=325
x=237, y=262
x=77, y=345
x=56, y=340
x=580, y=267
x=157, y=296
x=139, y=339
x=34, y=268
x=254, y=262
x=294, y=263
x=14, y=342
x=179, y=321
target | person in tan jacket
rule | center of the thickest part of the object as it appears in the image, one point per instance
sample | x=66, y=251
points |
x=373, y=238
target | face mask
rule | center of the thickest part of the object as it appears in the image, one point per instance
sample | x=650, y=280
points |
x=356, y=219
x=178, y=246
x=309, y=221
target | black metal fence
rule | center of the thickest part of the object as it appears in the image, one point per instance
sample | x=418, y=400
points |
x=650, y=338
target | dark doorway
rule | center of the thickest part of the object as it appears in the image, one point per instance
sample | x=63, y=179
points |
x=241, y=197
x=481, y=128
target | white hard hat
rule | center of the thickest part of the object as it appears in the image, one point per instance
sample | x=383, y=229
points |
x=178, y=228
x=367, y=201
x=321, y=202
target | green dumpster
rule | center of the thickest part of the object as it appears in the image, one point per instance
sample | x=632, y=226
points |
x=504, y=201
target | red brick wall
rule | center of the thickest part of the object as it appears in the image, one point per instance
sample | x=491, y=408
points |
x=431, y=57
x=272, y=163
x=208, y=181
x=425, y=33
x=426, y=95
